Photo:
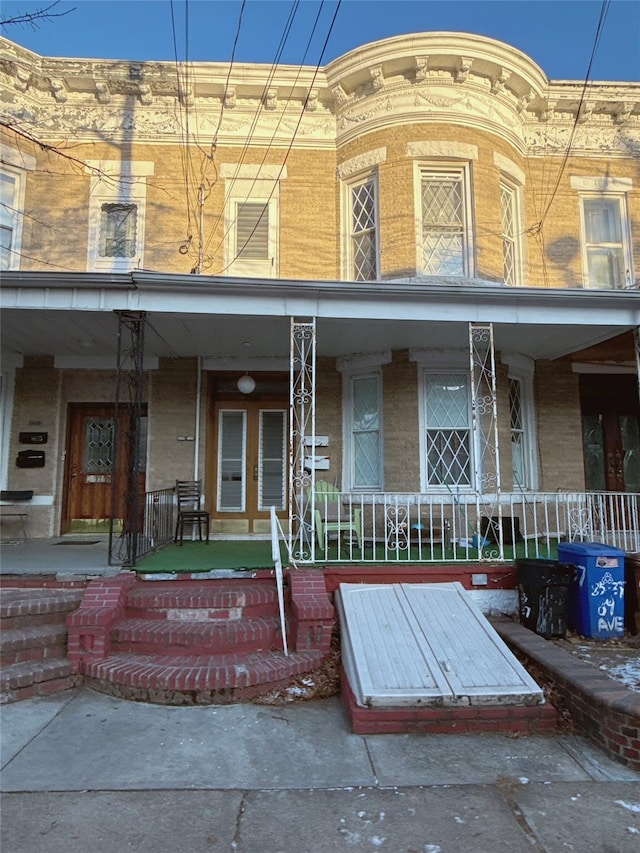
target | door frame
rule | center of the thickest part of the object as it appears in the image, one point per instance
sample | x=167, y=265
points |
x=271, y=393
x=77, y=409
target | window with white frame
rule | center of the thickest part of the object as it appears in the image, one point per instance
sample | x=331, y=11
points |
x=522, y=422
x=12, y=190
x=365, y=420
x=363, y=231
x=362, y=427
x=445, y=217
x=116, y=214
x=606, y=249
x=447, y=420
x=511, y=233
x=251, y=225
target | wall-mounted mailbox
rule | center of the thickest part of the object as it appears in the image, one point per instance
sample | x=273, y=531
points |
x=30, y=459
x=318, y=441
x=33, y=437
x=320, y=463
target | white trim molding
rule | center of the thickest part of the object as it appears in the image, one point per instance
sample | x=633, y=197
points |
x=509, y=167
x=434, y=148
x=361, y=162
x=601, y=184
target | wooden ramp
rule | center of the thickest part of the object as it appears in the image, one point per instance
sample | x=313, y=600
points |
x=426, y=646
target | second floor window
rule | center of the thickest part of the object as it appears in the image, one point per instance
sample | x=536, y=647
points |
x=511, y=242
x=118, y=230
x=252, y=230
x=363, y=239
x=605, y=245
x=445, y=222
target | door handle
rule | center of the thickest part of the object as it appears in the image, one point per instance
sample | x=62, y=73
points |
x=255, y=472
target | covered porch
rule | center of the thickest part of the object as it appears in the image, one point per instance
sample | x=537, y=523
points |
x=302, y=342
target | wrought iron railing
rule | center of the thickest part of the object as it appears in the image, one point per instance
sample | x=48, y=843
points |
x=468, y=527
x=155, y=528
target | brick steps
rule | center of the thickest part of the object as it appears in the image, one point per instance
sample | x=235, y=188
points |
x=225, y=600
x=187, y=679
x=196, y=637
x=180, y=642
x=33, y=642
x=18, y=645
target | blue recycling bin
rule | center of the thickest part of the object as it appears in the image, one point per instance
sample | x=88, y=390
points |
x=597, y=590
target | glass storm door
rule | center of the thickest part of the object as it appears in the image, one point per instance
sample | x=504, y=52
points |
x=250, y=463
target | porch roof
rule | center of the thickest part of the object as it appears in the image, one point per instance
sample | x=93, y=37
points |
x=72, y=314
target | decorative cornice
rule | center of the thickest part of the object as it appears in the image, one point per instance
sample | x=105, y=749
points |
x=451, y=78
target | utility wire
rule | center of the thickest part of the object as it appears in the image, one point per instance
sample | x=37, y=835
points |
x=297, y=127
x=603, y=15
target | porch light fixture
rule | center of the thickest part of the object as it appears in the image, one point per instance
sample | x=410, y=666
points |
x=246, y=384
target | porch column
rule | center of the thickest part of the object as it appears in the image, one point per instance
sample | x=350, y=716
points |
x=129, y=389
x=302, y=431
x=484, y=413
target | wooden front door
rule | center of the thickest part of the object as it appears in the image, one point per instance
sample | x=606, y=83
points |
x=89, y=467
x=250, y=464
x=611, y=432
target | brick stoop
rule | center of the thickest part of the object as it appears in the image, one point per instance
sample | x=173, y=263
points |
x=515, y=719
x=198, y=642
x=33, y=642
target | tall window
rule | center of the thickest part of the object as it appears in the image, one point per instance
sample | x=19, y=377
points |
x=518, y=436
x=448, y=430
x=7, y=218
x=366, y=433
x=13, y=173
x=117, y=204
x=363, y=249
x=445, y=219
x=511, y=239
x=605, y=247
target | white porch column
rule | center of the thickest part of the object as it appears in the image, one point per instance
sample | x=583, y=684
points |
x=302, y=431
x=484, y=413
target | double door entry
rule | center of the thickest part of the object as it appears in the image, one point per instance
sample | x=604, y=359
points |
x=251, y=442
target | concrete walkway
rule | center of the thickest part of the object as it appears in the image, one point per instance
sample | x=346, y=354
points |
x=87, y=772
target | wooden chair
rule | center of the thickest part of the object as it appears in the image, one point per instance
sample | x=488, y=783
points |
x=188, y=493
x=332, y=516
x=14, y=507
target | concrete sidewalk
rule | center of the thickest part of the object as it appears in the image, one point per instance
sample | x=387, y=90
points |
x=87, y=772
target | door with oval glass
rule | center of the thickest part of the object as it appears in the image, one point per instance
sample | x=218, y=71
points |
x=250, y=465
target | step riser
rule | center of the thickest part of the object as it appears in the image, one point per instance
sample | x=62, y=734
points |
x=247, y=640
x=36, y=653
x=42, y=688
x=32, y=620
x=204, y=614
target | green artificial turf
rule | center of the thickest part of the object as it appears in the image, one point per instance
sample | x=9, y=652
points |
x=203, y=557
x=238, y=555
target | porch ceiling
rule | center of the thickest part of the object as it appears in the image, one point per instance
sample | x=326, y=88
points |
x=93, y=334
x=72, y=315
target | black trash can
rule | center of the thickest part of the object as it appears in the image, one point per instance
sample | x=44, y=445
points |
x=543, y=595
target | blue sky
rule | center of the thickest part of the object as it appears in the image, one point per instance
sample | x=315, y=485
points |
x=558, y=34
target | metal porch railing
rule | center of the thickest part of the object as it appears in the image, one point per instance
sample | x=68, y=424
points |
x=464, y=527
